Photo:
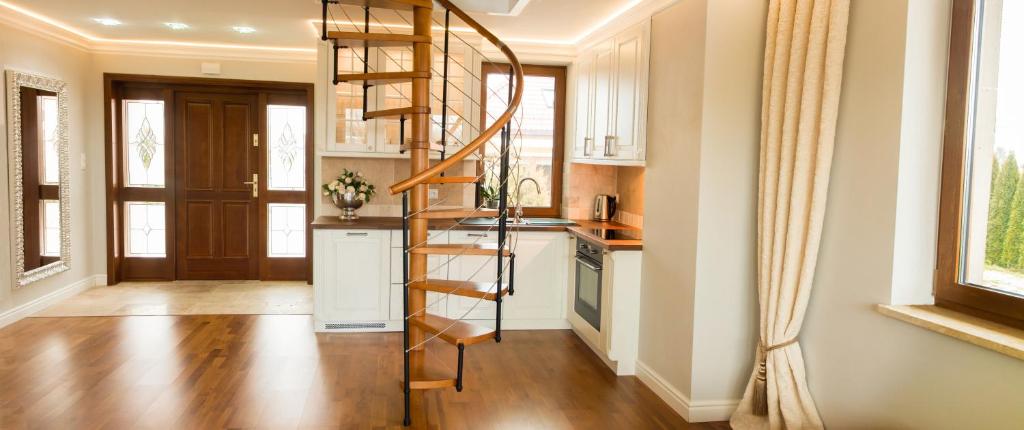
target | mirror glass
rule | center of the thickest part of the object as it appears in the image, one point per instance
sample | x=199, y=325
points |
x=38, y=156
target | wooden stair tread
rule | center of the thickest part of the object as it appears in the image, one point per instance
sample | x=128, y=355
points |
x=381, y=78
x=453, y=180
x=484, y=290
x=389, y=4
x=457, y=214
x=427, y=372
x=433, y=147
x=397, y=112
x=355, y=39
x=452, y=331
x=460, y=249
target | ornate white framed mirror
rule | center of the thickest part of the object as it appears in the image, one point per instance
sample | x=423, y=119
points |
x=37, y=145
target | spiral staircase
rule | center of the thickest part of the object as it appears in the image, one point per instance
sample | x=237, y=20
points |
x=429, y=163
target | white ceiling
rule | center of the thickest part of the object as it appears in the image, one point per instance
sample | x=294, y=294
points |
x=287, y=23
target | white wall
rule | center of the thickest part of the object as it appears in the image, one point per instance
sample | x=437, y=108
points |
x=864, y=369
x=698, y=309
x=31, y=53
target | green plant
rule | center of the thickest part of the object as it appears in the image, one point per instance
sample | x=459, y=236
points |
x=350, y=182
x=489, y=192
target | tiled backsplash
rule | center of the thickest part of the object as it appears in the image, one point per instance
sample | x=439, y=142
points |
x=586, y=181
x=382, y=173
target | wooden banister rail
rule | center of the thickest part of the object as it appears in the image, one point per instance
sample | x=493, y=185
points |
x=487, y=134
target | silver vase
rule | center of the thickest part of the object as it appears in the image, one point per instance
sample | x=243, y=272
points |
x=348, y=203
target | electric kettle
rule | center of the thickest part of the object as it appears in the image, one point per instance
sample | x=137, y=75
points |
x=604, y=207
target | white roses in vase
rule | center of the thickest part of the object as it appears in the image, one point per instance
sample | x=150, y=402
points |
x=350, y=182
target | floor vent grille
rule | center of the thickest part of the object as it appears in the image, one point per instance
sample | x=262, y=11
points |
x=351, y=326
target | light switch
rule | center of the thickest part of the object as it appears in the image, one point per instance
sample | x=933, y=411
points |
x=432, y=194
x=81, y=161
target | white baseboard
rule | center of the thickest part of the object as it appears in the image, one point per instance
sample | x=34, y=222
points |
x=694, y=412
x=27, y=309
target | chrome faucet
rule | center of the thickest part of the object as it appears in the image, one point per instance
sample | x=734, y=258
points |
x=519, y=200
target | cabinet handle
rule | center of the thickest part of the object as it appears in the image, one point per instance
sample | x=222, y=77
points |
x=609, y=148
x=477, y=235
x=586, y=146
x=357, y=234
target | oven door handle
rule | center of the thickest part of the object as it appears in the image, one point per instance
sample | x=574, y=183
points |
x=585, y=263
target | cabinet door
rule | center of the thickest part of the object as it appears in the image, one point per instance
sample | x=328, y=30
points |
x=624, y=141
x=584, y=136
x=604, y=85
x=472, y=268
x=351, y=275
x=436, y=269
x=541, y=273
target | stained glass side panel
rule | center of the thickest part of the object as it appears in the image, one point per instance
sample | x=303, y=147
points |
x=287, y=230
x=49, y=123
x=286, y=147
x=144, y=143
x=147, y=229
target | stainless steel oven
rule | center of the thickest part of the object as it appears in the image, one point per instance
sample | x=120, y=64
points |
x=588, y=282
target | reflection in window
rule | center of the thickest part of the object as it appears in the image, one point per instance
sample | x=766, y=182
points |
x=533, y=135
x=49, y=124
x=286, y=155
x=51, y=228
x=287, y=230
x=144, y=137
x=995, y=230
x=147, y=229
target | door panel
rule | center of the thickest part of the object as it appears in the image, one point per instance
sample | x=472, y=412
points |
x=219, y=212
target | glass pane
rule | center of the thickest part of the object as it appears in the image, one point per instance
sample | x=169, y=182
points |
x=351, y=129
x=395, y=95
x=533, y=131
x=287, y=230
x=147, y=229
x=48, y=123
x=286, y=151
x=994, y=249
x=51, y=228
x=144, y=136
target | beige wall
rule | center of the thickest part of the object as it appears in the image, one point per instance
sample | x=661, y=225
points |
x=30, y=53
x=675, y=112
x=867, y=370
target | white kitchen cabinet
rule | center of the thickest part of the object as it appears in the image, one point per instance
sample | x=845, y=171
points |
x=436, y=269
x=540, y=277
x=611, y=99
x=351, y=278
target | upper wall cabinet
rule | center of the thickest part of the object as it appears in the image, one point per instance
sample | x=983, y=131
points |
x=611, y=99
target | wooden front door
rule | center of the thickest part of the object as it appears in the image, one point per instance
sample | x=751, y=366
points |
x=216, y=201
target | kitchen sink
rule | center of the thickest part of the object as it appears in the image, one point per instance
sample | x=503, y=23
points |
x=525, y=221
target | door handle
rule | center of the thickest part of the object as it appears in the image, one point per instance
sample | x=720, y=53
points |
x=255, y=184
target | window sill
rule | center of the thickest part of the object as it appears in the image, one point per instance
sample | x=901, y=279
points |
x=986, y=334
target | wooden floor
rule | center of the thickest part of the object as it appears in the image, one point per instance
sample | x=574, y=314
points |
x=188, y=298
x=272, y=371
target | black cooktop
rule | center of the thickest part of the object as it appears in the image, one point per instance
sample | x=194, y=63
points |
x=617, y=234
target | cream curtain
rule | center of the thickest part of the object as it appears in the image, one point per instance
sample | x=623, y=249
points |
x=803, y=67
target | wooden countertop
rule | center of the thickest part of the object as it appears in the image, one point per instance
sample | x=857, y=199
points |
x=395, y=223
x=583, y=229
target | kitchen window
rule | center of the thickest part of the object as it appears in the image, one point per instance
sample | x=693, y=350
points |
x=980, y=256
x=538, y=133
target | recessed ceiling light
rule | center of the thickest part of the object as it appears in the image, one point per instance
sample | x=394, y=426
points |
x=109, y=22
x=176, y=25
x=244, y=30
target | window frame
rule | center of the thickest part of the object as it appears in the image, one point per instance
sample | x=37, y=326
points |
x=960, y=89
x=558, y=147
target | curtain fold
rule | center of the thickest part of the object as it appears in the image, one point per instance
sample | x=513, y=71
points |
x=803, y=65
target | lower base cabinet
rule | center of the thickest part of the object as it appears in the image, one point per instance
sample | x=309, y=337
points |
x=357, y=280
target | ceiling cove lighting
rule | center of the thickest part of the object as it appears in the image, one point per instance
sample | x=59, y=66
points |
x=176, y=25
x=243, y=29
x=109, y=22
